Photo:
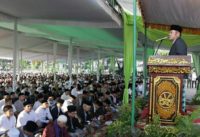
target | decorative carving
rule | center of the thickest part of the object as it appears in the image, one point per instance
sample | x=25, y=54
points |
x=166, y=97
x=172, y=70
x=169, y=60
x=166, y=73
x=166, y=100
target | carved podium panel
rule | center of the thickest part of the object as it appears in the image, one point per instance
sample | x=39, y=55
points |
x=166, y=84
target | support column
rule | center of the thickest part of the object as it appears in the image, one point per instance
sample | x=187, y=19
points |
x=70, y=50
x=92, y=62
x=145, y=63
x=54, y=60
x=18, y=60
x=21, y=65
x=78, y=60
x=112, y=63
x=47, y=62
x=42, y=66
x=98, y=65
x=134, y=65
x=15, y=55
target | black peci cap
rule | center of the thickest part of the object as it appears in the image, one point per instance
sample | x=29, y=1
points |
x=87, y=103
x=176, y=27
x=44, y=101
x=31, y=127
x=60, y=101
x=27, y=103
x=71, y=108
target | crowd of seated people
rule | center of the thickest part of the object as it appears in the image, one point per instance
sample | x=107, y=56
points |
x=65, y=108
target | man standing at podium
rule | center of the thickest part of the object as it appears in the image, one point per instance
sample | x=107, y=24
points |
x=179, y=47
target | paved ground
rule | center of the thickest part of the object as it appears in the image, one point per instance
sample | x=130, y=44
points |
x=190, y=92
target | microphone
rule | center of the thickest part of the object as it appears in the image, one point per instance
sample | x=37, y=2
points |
x=162, y=39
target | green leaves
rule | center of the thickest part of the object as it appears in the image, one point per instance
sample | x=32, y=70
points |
x=186, y=127
x=196, y=100
x=122, y=126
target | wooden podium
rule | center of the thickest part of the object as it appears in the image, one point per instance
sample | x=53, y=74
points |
x=166, y=84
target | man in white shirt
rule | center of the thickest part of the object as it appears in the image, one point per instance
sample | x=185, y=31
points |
x=77, y=91
x=66, y=95
x=194, y=78
x=26, y=115
x=8, y=101
x=8, y=88
x=38, y=102
x=43, y=113
x=66, y=103
x=7, y=120
x=2, y=102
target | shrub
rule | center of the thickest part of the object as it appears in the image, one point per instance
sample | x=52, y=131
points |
x=186, y=127
x=154, y=129
x=196, y=100
x=122, y=126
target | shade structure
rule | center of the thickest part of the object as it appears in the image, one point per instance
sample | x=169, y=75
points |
x=40, y=41
x=90, y=23
x=158, y=15
x=58, y=12
x=161, y=14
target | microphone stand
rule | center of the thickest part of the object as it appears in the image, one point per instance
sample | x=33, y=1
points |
x=158, y=47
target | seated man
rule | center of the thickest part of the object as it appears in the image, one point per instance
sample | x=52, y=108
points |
x=38, y=102
x=8, y=101
x=26, y=115
x=43, y=113
x=68, y=102
x=56, y=128
x=73, y=124
x=29, y=129
x=85, y=113
x=109, y=110
x=19, y=103
x=7, y=120
x=13, y=132
x=56, y=109
x=66, y=95
x=51, y=101
x=2, y=101
x=99, y=109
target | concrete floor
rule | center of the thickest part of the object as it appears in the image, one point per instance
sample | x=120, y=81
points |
x=190, y=92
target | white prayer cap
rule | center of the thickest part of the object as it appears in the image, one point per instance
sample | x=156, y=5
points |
x=13, y=132
x=62, y=118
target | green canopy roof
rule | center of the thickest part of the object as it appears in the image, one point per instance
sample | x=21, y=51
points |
x=91, y=36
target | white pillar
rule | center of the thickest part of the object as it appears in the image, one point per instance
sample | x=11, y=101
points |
x=15, y=55
x=70, y=52
x=47, y=62
x=18, y=61
x=78, y=60
x=98, y=65
x=93, y=65
x=54, y=60
x=114, y=67
x=21, y=66
x=42, y=66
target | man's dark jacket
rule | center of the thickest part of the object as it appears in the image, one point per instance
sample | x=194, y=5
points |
x=178, y=48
